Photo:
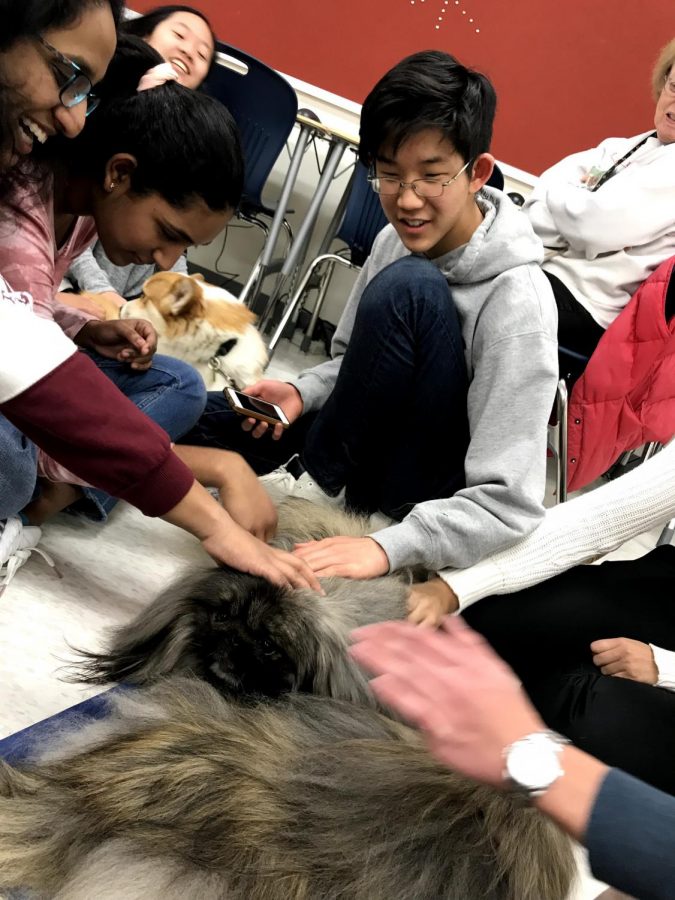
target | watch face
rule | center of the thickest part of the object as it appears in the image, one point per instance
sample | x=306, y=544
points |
x=533, y=763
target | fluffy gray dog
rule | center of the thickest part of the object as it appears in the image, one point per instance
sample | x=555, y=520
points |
x=180, y=795
x=248, y=637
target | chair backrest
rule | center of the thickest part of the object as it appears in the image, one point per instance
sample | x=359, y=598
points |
x=363, y=218
x=264, y=106
x=496, y=180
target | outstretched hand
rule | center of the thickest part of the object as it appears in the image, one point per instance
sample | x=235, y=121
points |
x=346, y=557
x=453, y=686
x=429, y=601
x=229, y=544
x=237, y=548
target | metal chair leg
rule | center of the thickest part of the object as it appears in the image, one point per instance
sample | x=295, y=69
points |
x=666, y=535
x=296, y=256
x=325, y=281
x=294, y=301
x=650, y=449
x=561, y=412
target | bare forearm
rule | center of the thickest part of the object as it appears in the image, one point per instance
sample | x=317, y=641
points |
x=199, y=513
x=211, y=467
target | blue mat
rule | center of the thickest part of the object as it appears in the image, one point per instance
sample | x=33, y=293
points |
x=29, y=741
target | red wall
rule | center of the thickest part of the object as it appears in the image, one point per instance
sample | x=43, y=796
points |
x=567, y=73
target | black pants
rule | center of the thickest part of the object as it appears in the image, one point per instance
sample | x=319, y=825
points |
x=577, y=329
x=545, y=633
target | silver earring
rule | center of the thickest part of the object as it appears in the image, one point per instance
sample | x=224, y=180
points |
x=112, y=186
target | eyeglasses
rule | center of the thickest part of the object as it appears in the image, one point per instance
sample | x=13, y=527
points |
x=669, y=86
x=423, y=187
x=74, y=85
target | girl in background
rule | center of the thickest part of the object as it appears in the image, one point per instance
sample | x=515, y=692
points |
x=183, y=37
x=51, y=395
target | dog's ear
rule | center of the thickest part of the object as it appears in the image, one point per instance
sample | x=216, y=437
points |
x=155, y=284
x=184, y=294
x=159, y=641
x=198, y=277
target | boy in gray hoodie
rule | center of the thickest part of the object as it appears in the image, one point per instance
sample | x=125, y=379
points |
x=434, y=406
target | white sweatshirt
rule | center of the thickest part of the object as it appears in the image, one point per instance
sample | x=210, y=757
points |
x=610, y=240
x=30, y=347
x=579, y=531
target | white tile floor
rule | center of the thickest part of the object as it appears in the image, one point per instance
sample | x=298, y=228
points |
x=109, y=574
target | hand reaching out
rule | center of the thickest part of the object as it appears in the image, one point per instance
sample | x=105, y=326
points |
x=452, y=685
x=346, y=557
x=429, y=601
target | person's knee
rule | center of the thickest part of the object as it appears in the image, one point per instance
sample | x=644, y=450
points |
x=194, y=387
x=184, y=379
x=404, y=283
x=180, y=397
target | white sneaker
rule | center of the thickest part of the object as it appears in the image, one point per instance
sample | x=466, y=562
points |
x=308, y=489
x=280, y=484
x=17, y=542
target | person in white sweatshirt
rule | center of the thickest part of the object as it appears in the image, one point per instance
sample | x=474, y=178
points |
x=607, y=217
x=593, y=645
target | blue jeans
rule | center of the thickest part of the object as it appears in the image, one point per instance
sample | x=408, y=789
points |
x=394, y=432
x=18, y=469
x=170, y=392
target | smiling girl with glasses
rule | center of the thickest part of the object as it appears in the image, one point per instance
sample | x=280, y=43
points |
x=49, y=392
x=74, y=85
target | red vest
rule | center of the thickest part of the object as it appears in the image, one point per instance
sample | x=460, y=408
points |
x=626, y=396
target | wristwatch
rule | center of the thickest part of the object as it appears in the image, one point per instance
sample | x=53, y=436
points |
x=532, y=764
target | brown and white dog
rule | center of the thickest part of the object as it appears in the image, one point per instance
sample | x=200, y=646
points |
x=201, y=324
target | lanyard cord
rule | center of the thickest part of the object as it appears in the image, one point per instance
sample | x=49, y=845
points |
x=611, y=171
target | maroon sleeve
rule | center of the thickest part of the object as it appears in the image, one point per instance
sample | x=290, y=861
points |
x=77, y=416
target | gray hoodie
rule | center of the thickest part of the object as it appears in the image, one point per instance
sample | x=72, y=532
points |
x=93, y=271
x=509, y=325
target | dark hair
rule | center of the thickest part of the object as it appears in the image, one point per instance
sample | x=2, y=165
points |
x=186, y=144
x=25, y=20
x=29, y=18
x=143, y=26
x=428, y=90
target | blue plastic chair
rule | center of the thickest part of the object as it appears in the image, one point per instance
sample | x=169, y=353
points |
x=360, y=220
x=264, y=106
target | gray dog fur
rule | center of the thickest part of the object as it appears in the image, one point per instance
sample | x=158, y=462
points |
x=180, y=795
x=248, y=637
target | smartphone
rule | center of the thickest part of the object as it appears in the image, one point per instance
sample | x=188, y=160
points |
x=256, y=408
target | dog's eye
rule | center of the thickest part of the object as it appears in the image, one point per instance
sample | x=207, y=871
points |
x=225, y=347
x=219, y=618
x=267, y=647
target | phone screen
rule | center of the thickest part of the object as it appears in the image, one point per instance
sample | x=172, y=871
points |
x=255, y=405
